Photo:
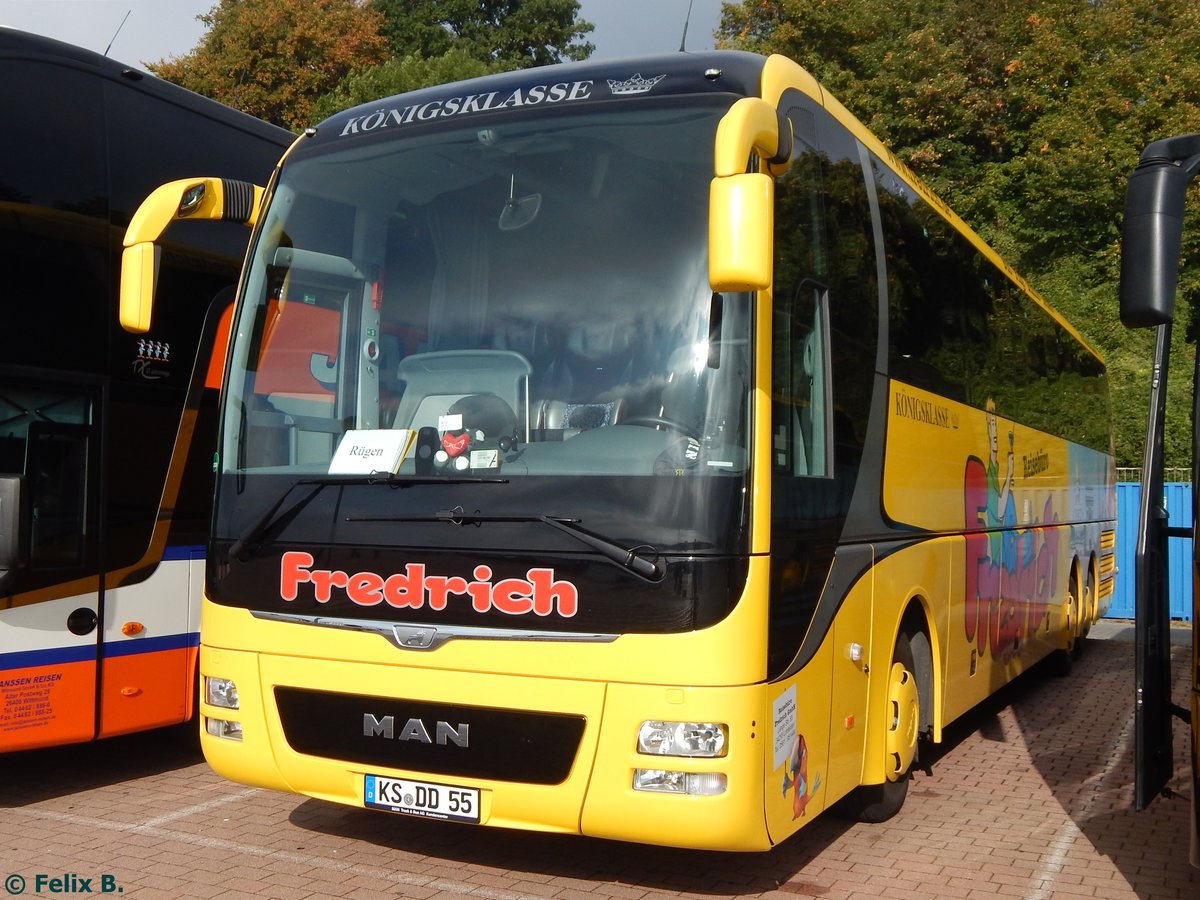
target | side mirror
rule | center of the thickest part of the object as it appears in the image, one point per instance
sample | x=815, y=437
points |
x=139, y=280
x=741, y=229
x=14, y=528
x=212, y=199
x=1152, y=230
x=741, y=214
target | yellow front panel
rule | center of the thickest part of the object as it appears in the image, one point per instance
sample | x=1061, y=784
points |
x=730, y=821
x=265, y=758
x=597, y=796
x=797, y=756
x=547, y=807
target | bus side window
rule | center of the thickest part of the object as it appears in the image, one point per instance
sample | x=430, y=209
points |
x=800, y=350
x=801, y=383
x=47, y=435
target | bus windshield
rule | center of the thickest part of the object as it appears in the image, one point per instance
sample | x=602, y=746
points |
x=511, y=319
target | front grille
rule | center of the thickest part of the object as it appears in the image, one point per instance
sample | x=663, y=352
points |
x=398, y=733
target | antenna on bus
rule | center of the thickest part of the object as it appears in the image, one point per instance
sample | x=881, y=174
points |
x=118, y=31
x=686, y=19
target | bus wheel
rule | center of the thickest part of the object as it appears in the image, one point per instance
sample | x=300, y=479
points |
x=1062, y=659
x=879, y=802
x=1087, y=615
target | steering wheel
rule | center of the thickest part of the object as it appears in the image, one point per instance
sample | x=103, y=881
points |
x=662, y=422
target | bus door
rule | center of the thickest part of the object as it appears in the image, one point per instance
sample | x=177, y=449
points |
x=50, y=597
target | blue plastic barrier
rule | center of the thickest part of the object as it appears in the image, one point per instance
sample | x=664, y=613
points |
x=1179, y=550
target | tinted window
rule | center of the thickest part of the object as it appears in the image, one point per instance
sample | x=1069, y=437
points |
x=960, y=327
x=53, y=218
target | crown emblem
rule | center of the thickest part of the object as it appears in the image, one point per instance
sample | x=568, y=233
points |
x=635, y=85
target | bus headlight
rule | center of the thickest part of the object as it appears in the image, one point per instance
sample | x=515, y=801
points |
x=220, y=692
x=695, y=784
x=223, y=728
x=682, y=738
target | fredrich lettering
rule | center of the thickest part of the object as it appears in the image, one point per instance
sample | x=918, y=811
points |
x=538, y=592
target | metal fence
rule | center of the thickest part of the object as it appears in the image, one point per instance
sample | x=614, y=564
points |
x=1183, y=475
x=1178, y=497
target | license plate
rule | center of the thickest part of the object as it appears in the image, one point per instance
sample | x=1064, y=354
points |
x=422, y=798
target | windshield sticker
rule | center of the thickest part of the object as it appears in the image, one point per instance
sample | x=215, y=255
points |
x=565, y=91
x=366, y=451
x=153, y=360
x=489, y=101
x=538, y=592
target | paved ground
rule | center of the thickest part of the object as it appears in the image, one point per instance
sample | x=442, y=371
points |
x=1030, y=797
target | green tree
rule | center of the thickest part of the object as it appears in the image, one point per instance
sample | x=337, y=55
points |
x=399, y=75
x=274, y=58
x=1027, y=119
x=515, y=33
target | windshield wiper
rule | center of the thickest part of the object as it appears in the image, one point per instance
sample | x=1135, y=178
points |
x=642, y=560
x=256, y=529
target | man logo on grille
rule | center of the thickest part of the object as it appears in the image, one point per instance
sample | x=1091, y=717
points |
x=416, y=730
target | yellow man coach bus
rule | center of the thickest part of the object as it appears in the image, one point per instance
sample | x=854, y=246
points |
x=632, y=449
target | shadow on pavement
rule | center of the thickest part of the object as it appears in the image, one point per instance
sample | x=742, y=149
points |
x=32, y=776
x=1074, y=730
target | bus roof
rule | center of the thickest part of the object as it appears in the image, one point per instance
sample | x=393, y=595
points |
x=18, y=45
x=713, y=72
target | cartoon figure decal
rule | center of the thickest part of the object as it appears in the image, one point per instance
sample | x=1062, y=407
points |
x=1000, y=512
x=795, y=778
x=791, y=752
x=1012, y=572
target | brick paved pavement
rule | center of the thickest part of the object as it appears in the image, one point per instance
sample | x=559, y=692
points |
x=1029, y=798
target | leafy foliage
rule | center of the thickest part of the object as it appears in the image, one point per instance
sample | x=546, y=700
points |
x=399, y=75
x=273, y=58
x=1027, y=119
x=516, y=34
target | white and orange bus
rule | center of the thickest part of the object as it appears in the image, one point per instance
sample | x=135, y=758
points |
x=633, y=449
x=105, y=438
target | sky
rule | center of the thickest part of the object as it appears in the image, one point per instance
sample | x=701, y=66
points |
x=160, y=29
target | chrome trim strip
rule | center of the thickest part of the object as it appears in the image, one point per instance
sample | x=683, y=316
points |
x=409, y=636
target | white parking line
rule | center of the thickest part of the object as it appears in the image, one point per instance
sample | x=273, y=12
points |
x=443, y=885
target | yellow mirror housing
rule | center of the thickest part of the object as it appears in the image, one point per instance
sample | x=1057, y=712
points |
x=190, y=198
x=752, y=126
x=139, y=275
x=741, y=225
x=741, y=214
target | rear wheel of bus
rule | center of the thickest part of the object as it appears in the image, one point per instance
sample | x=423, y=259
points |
x=1063, y=659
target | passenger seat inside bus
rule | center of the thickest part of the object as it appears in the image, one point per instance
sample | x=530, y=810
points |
x=583, y=385
x=433, y=382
